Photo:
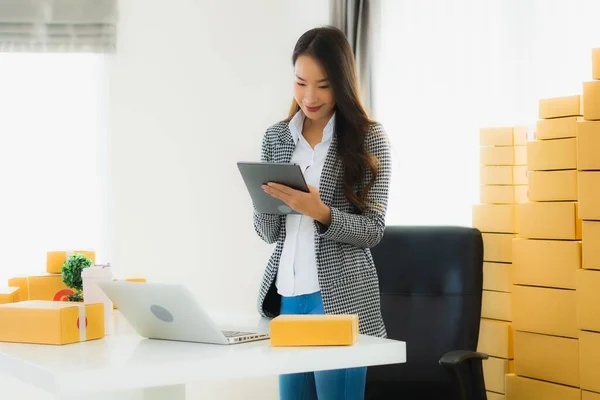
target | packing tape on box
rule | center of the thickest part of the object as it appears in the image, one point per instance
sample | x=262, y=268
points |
x=82, y=323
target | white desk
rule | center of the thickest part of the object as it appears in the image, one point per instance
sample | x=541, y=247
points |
x=127, y=366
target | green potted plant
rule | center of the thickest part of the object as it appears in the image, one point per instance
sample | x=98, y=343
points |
x=71, y=274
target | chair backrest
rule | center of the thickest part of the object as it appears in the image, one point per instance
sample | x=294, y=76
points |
x=430, y=279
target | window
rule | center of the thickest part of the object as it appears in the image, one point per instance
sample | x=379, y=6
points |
x=448, y=68
x=52, y=172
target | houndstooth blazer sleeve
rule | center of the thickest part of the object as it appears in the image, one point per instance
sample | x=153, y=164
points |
x=267, y=226
x=365, y=230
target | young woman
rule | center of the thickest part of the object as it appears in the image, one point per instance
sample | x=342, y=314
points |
x=322, y=262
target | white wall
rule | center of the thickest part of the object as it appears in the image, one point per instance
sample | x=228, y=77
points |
x=192, y=89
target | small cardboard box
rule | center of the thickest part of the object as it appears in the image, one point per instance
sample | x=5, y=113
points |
x=497, y=247
x=588, y=145
x=56, y=259
x=521, y=388
x=545, y=310
x=496, y=338
x=503, y=194
x=496, y=305
x=51, y=322
x=588, y=300
x=562, y=106
x=48, y=287
x=503, y=175
x=549, y=358
x=22, y=284
x=553, y=185
x=590, y=247
x=591, y=100
x=557, y=128
x=9, y=295
x=314, y=330
x=589, y=360
x=497, y=276
x=547, y=263
x=548, y=155
x=495, y=218
x=494, y=371
x=549, y=220
x=588, y=186
x=503, y=155
x=503, y=136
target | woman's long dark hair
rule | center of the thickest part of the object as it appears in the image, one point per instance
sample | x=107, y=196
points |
x=331, y=49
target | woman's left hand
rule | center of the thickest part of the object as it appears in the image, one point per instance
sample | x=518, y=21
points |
x=308, y=204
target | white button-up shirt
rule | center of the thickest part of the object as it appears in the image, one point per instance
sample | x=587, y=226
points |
x=297, y=273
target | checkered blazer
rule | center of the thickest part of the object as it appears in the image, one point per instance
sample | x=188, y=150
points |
x=346, y=272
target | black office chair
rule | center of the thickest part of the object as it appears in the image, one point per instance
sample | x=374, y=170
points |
x=431, y=280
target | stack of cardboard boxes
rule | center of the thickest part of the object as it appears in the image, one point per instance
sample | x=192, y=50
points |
x=588, y=278
x=546, y=258
x=503, y=159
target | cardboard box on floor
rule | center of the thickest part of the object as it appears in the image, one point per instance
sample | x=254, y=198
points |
x=588, y=186
x=589, y=244
x=549, y=220
x=494, y=372
x=497, y=276
x=503, y=194
x=498, y=247
x=51, y=322
x=588, y=145
x=521, y=388
x=557, y=128
x=503, y=155
x=496, y=305
x=591, y=100
x=589, y=360
x=495, y=218
x=550, y=155
x=562, y=106
x=496, y=338
x=503, y=136
x=552, y=185
x=588, y=300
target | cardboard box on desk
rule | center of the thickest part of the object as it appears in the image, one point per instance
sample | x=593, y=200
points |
x=588, y=145
x=550, y=155
x=51, y=322
x=503, y=194
x=557, y=128
x=547, y=311
x=521, y=388
x=546, y=263
x=589, y=244
x=56, y=259
x=314, y=330
x=9, y=295
x=549, y=220
x=548, y=358
x=588, y=186
x=553, y=185
x=562, y=106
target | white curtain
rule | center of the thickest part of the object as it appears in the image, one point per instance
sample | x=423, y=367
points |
x=52, y=158
x=447, y=68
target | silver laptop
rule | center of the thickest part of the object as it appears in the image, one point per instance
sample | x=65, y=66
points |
x=169, y=312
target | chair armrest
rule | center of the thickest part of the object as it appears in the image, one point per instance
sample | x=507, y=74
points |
x=457, y=357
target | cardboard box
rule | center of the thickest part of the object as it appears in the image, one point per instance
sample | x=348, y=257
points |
x=549, y=358
x=549, y=220
x=545, y=310
x=588, y=186
x=503, y=194
x=521, y=388
x=497, y=276
x=557, y=128
x=591, y=100
x=56, y=259
x=22, y=284
x=51, y=322
x=549, y=155
x=503, y=175
x=9, y=295
x=503, y=136
x=546, y=263
x=587, y=395
x=562, y=106
x=503, y=155
x=495, y=218
x=596, y=64
x=553, y=185
x=496, y=338
x=588, y=300
x=314, y=330
x=497, y=247
x=48, y=287
x=495, y=396
x=588, y=145
x=496, y=305
x=589, y=360
x=590, y=247
x=494, y=372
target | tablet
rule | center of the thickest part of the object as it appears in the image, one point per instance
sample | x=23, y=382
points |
x=256, y=174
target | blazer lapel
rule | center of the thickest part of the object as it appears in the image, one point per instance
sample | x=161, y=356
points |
x=284, y=154
x=330, y=173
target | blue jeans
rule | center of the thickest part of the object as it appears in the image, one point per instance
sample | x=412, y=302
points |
x=341, y=384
